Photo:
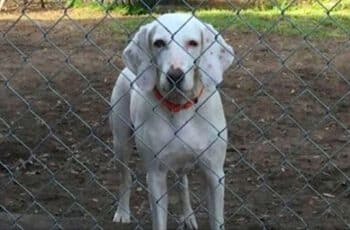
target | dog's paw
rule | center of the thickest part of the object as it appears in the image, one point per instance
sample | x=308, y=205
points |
x=189, y=221
x=121, y=216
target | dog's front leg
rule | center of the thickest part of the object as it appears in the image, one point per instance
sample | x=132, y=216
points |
x=215, y=198
x=158, y=198
x=188, y=219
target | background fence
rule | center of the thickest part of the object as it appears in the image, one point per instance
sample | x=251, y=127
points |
x=286, y=99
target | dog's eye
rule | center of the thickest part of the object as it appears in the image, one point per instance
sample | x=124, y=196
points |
x=159, y=43
x=192, y=43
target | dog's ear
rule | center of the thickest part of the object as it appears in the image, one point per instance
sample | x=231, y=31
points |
x=216, y=56
x=137, y=56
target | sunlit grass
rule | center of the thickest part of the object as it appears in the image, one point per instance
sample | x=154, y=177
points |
x=301, y=22
x=308, y=21
x=297, y=21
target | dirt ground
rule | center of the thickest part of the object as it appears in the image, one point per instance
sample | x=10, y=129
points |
x=286, y=101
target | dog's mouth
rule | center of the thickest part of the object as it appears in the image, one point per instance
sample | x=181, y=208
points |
x=175, y=91
x=176, y=101
x=177, y=94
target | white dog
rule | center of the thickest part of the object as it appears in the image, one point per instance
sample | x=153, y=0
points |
x=166, y=99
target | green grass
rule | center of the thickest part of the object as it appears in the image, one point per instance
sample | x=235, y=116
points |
x=303, y=19
x=122, y=9
x=297, y=21
x=268, y=4
x=301, y=22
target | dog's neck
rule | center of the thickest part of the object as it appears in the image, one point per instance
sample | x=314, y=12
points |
x=176, y=107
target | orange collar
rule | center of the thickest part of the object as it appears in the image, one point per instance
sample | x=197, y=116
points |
x=172, y=107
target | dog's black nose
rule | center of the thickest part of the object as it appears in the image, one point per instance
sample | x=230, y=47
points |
x=175, y=76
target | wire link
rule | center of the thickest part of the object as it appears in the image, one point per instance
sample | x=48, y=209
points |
x=57, y=159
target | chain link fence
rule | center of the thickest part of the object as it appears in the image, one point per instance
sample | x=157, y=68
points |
x=286, y=100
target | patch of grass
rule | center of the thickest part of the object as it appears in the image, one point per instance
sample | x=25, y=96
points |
x=309, y=18
x=309, y=21
x=294, y=21
x=122, y=9
x=93, y=5
x=130, y=10
x=268, y=4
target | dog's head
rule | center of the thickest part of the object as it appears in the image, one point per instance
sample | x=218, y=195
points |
x=177, y=52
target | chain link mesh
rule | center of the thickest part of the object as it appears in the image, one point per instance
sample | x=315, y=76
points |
x=286, y=100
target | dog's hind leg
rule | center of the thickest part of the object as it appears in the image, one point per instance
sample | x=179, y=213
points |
x=122, y=134
x=188, y=218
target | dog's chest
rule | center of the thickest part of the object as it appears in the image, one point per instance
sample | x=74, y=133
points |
x=176, y=141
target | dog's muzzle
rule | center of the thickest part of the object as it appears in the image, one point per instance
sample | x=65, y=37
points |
x=175, y=76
